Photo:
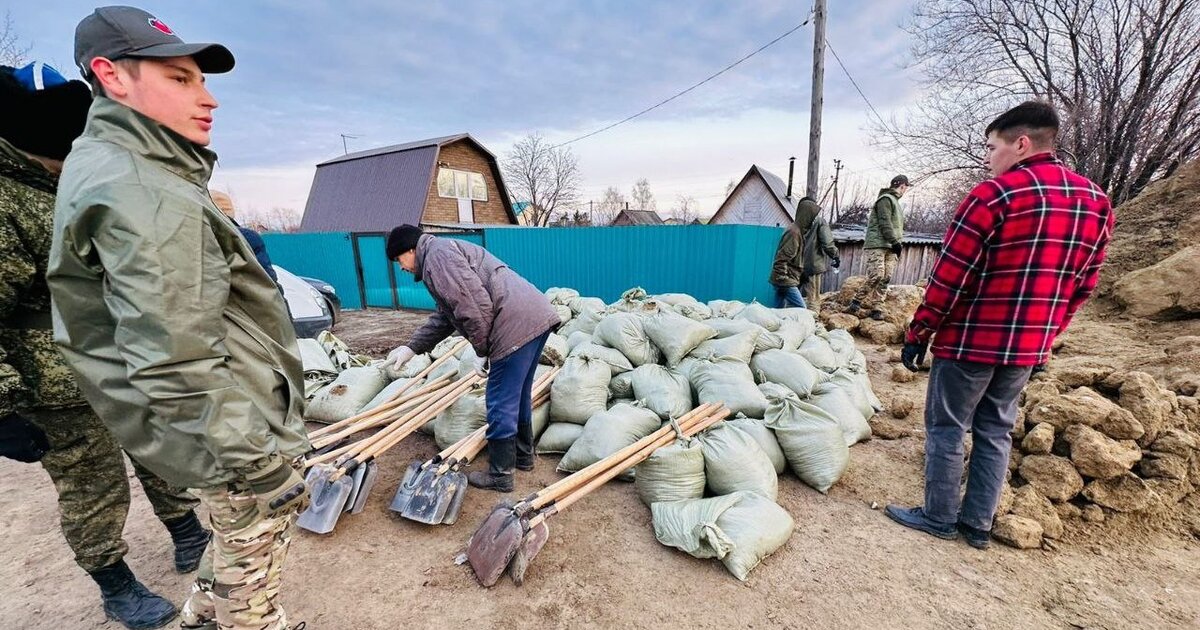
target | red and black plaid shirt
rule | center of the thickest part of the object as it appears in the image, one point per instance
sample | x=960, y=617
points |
x=1022, y=254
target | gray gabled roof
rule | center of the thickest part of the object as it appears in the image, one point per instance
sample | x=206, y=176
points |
x=641, y=217
x=378, y=189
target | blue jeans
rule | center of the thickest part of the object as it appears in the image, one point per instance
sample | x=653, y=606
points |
x=509, y=385
x=786, y=297
x=965, y=395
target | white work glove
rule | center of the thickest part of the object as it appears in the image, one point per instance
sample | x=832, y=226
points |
x=398, y=357
x=481, y=366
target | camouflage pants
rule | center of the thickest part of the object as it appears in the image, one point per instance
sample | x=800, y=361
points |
x=810, y=286
x=88, y=470
x=881, y=265
x=240, y=575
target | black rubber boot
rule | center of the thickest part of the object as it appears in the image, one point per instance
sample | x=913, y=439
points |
x=127, y=601
x=525, y=457
x=190, y=541
x=502, y=456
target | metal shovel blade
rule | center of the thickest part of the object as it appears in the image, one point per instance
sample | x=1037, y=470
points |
x=328, y=500
x=492, y=545
x=433, y=496
x=456, y=503
x=356, y=479
x=533, y=542
x=365, y=482
x=407, y=486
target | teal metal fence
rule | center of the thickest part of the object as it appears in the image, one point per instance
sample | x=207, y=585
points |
x=708, y=262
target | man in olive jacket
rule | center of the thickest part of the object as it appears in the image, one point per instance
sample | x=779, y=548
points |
x=178, y=337
x=800, y=258
x=885, y=233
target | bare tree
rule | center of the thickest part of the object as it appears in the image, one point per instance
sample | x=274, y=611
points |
x=12, y=52
x=611, y=204
x=545, y=176
x=730, y=186
x=1124, y=75
x=641, y=196
x=685, y=209
x=276, y=219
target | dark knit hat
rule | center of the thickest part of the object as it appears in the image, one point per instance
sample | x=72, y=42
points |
x=45, y=121
x=900, y=180
x=402, y=239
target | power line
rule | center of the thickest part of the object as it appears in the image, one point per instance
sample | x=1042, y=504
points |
x=710, y=78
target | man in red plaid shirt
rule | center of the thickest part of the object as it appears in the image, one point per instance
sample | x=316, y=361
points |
x=1022, y=253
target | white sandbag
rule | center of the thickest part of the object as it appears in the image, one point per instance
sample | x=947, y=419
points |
x=462, y=418
x=842, y=344
x=733, y=461
x=756, y=313
x=766, y=339
x=740, y=346
x=555, y=351
x=631, y=301
x=726, y=309
x=806, y=318
x=444, y=346
x=621, y=386
x=585, y=321
x=467, y=360
x=558, y=437
x=611, y=357
x=775, y=390
x=674, y=472
x=626, y=332
x=620, y=401
x=578, y=304
x=313, y=357
x=415, y=366
x=577, y=339
x=686, y=366
x=449, y=367
x=580, y=390
x=729, y=382
x=663, y=390
x=387, y=392
x=740, y=529
x=788, y=369
x=564, y=313
x=675, y=299
x=608, y=432
x=757, y=429
x=676, y=335
x=837, y=403
x=561, y=295
x=342, y=398
x=811, y=439
x=540, y=420
x=792, y=333
x=819, y=353
x=695, y=310
x=864, y=383
x=853, y=385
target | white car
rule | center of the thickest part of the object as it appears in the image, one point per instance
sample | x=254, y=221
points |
x=309, y=310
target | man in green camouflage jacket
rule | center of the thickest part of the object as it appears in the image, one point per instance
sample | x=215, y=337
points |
x=42, y=413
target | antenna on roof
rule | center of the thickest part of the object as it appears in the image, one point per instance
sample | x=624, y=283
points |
x=346, y=151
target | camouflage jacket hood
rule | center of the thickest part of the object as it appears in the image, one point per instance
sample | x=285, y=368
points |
x=180, y=340
x=32, y=372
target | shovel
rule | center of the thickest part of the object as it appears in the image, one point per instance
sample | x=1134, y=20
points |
x=334, y=492
x=511, y=527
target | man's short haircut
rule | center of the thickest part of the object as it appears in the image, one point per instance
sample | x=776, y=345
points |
x=131, y=65
x=1036, y=119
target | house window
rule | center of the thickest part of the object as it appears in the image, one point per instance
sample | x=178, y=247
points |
x=461, y=185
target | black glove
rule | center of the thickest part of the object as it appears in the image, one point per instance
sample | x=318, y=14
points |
x=278, y=489
x=896, y=249
x=22, y=440
x=913, y=355
x=836, y=262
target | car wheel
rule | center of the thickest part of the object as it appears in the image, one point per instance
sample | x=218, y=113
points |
x=333, y=314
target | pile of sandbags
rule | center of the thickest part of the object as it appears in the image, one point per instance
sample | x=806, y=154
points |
x=800, y=394
x=1092, y=443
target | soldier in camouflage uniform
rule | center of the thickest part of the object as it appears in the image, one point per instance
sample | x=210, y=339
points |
x=176, y=334
x=38, y=393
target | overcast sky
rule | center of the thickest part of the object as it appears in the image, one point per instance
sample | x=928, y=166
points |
x=391, y=72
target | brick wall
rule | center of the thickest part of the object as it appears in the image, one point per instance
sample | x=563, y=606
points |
x=465, y=156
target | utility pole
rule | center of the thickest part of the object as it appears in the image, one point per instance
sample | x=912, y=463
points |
x=345, y=150
x=818, y=98
x=835, y=209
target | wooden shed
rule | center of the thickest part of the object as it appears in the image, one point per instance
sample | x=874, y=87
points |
x=916, y=258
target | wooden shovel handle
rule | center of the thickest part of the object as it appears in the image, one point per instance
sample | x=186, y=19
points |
x=404, y=430
x=397, y=420
x=387, y=405
x=466, y=450
x=370, y=423
x=694, y=427
x=579, y=478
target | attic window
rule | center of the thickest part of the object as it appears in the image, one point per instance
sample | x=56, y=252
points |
x=461, y=185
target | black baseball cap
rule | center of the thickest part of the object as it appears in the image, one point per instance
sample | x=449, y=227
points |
x=131, y=33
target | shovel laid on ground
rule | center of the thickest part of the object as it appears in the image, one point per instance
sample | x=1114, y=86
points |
x=515, y=533
x=333, y=492
x=432, y=492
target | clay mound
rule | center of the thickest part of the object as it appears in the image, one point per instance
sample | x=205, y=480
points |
x=1165, y=290
x=1156, y=224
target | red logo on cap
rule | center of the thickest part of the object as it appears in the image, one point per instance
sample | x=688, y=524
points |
x=158, y=24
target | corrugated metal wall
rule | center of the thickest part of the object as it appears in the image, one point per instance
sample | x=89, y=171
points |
x=916, y=261
x=325, y=255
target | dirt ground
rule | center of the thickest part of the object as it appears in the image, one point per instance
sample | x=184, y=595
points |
x=846, y=566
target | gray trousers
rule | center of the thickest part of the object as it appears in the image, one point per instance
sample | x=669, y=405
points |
x=982, y=398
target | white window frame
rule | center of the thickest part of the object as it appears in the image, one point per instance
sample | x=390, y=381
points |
x=462, y=183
